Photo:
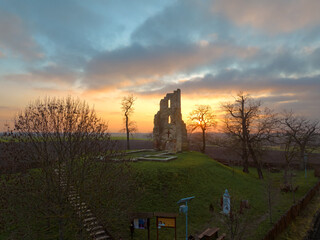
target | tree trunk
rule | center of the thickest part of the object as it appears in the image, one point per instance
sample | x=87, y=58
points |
x=203, y=141
x=269, y=203
x=245, y=158
x=60, y=229
x=244, y=139
x=285, y=175
x=128, y=133
x=255, y=160
x=302, y=152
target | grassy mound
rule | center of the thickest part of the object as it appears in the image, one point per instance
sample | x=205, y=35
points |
x=161, y=185
x=195, y=174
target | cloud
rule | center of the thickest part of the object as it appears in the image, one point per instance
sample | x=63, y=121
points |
x=277, y=71
x=184, y=21
x=136, y=62
x=283, y=78
x=6, y=108
x=228, y=81
x=301, y=95
x=65, y=30
x=16, y=39
x=51, y=73
x=279, y=16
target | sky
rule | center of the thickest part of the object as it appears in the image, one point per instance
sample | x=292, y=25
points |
x=100, y=51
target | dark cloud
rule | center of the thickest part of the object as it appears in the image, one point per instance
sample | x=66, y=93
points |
x=56, y=74
x=184, y=21
x=16, y=38
x=62, y=28
x=287, y=63
x=300, y=94
x=278, y=69
x=137, y=62
x=234, y=80
x=315, y=58
x=271, y=16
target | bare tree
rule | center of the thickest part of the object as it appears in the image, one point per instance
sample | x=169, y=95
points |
x=271, y=194
x=245, y=122
x=290, y=153
x=70, y=145
x=202, y=117
x=237, y=121
x=302, y=131
x=262, y=133
x=127, y=109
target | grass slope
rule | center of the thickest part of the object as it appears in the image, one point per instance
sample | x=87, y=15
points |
x=195, y=174
x=162, y=185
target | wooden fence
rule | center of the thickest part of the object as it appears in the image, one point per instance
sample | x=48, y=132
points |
x=291, y=214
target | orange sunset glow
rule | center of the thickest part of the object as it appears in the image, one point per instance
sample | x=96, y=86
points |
x=213, y=50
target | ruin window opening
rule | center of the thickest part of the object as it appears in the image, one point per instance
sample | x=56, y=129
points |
x=169, y=119
x=169, y=103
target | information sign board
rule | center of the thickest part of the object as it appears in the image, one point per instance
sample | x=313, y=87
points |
x=167, y=222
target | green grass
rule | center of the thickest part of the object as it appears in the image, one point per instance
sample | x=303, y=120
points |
x=6, y=139
x=194, y=174
x=162, y=184
x=131, y=138
x=278, y=148
x=24, y=212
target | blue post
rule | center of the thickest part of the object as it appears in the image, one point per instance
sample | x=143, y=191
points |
x=305, y=164
x=184, y=209
x=187, y=221
x=305, y=172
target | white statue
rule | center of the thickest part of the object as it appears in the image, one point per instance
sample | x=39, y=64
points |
x=226, y=202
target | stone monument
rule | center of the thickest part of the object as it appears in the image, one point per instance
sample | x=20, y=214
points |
x=169, y=132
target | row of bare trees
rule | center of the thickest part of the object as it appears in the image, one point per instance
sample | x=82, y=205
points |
x=250, y=130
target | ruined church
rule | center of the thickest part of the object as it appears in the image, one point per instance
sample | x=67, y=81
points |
x=169, y=132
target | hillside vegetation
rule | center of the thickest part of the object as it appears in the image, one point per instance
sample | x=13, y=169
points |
x=195, y=174
x=159, y=186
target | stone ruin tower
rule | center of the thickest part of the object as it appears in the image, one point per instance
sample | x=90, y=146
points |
x=169, y=132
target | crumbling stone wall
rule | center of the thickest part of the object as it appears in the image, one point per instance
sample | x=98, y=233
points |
x=169, y=132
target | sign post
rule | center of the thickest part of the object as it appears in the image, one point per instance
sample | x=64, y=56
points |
x=163, y=220
x=184, y=209
x=141, y=221
x=166, y=220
